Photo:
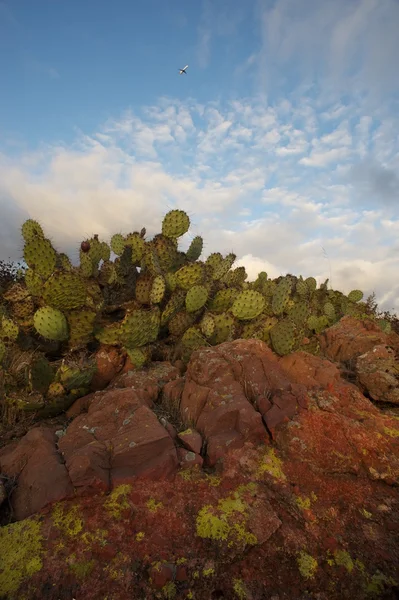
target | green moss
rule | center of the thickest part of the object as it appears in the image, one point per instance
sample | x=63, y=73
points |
x=68, y=522
x=21, y=554
x=117, y=501
x=307, y=565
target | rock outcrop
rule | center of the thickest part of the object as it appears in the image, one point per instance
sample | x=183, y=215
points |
x=248, y=476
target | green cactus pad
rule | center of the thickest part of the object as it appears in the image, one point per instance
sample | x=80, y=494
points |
x=140, y=328
x=138, y=356
x=34, y=282
x=138, y=246
x=51, y=324
x=64, y=262
x=118, y=244
x=8, y=330
x=87, y=268
x=236, y=277
x=302, y=288
x=311, y=284
x=64, y=290
x=81, y=325
x=248, y=305
x=195, y=249
x=298, y=313
x=223, y=300
x=144, y=285
x=207, y=325
x=282, y=336
x=355, y=296
x=225, y=326
x=31, y=229
x=281, y=296
x=16, y=292
x=223, y=268
x=189, y=275
x=214, y=260
x=166, y=250
x=109, y=335
x=174, y=304
x=3, y=351
x=179, y=323
x=41, y=375
x=196, y=298
x=329, y=311
x=175, y=224
x=193, y=339
x=40, y=256
x=157, y=290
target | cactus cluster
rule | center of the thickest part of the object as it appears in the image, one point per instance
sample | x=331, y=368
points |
x=150, y=295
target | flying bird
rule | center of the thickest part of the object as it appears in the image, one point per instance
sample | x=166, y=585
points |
x=181, y=71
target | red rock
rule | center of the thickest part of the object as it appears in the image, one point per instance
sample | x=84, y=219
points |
x=79, y=406
x=378, y=374
x=171, y=429
x=143, y=448
x=89, y=468
x=349, y=338
x=42, y=477
x=161, y=575
x=187, y=458
x=109, y=362
x=191, y=439
x=181, y=573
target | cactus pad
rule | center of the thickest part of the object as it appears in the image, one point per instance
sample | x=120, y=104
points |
x=248, y=305
x=175, y=224
x=50, y=323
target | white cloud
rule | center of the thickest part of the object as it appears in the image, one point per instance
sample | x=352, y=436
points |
x=241, y=171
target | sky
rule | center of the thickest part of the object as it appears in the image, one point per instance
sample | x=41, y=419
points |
x=281, y=142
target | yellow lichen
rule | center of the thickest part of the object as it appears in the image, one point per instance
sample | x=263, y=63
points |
x=213, y=480
x=208, y=572
x=343, y=559
x=307, y=565
x=82, y=569
x=21, y=554
x=68, y=521
x=153, y=506
x=217, y=523
x=240, y=589
x=99, y=536
x=140, y=536
x=366, y=513
x=196, y=575
x=394, y=433
x=169, y=590
x=117, y=501
x=272, y=464
x=181, y=560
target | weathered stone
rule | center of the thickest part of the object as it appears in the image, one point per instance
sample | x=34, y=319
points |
x=191, y=440
x=109, y=362
x=187, y=458
x=37, y=465
x=378, y=374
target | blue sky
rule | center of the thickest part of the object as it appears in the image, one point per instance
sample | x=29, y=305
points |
x=282, y=142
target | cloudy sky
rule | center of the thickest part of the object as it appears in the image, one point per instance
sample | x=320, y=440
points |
x=281, y=142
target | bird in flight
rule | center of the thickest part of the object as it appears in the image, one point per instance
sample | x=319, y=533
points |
x=181, y=71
